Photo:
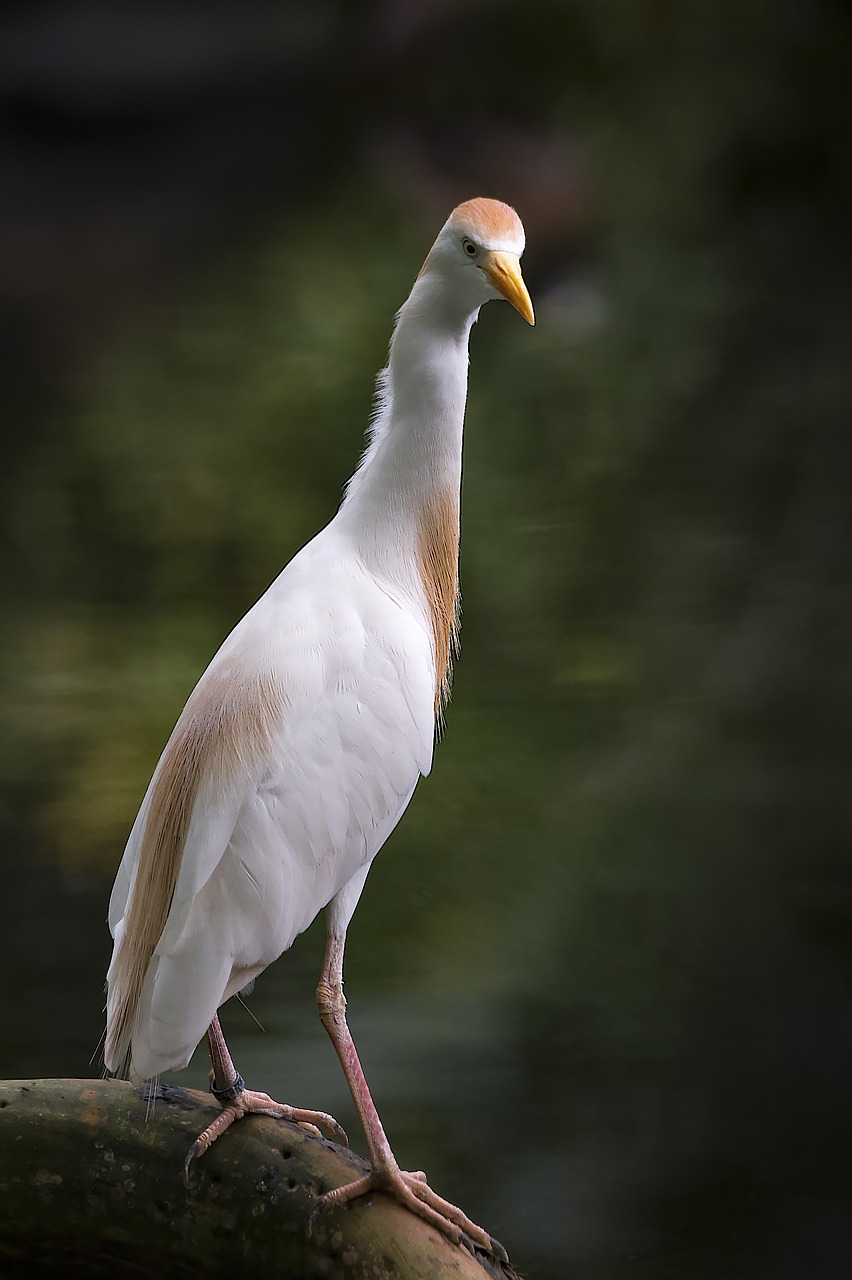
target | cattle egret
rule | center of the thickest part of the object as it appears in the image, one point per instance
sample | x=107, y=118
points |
x=300, y=747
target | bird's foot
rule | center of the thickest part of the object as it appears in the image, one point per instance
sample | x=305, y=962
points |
x=413, y=1191
x=249, y=1102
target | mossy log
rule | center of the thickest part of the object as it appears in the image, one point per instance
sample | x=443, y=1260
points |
x=91, y=1185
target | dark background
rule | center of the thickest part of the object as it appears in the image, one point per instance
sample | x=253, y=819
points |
x=600, y=976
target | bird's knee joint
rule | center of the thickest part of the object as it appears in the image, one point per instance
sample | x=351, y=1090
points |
x=331, y=1002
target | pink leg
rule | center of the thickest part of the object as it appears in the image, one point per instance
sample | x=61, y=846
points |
x=411, y=1189
x=228, y=1087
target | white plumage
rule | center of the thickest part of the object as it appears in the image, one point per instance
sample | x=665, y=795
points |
x=302, y=743
x=272, y=840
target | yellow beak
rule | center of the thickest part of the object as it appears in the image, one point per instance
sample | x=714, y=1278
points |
x=504, y=273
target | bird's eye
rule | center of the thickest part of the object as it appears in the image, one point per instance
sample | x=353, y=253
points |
x=469, y=248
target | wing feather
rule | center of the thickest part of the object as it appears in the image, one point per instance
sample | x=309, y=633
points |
x=291, y=763
x=224, y=732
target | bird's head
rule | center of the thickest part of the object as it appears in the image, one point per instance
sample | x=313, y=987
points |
x=479, y=253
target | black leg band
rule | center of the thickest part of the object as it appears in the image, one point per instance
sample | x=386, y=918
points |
x=234, y=1089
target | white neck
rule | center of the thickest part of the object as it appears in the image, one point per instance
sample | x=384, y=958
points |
x=414, y=456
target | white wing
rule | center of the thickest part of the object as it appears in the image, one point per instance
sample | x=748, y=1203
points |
x=301, y=747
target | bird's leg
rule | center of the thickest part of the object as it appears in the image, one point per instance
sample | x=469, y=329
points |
x=229, y=1089
x=410, y=1189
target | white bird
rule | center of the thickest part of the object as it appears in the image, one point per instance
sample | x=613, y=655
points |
x=300, y=747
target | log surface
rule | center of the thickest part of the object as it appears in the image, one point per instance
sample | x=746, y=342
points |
x=91, y=1185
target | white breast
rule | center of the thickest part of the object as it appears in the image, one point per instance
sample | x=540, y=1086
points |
x=277, y=832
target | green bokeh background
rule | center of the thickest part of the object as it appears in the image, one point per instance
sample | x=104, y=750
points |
x=600, y=975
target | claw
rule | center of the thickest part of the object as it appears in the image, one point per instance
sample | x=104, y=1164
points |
x=249, y=1102
x=498, y=1250
x=413, y=1192
x=195, y=1150
x=495, y=1248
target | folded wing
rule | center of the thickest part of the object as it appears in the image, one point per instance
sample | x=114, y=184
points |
x=292, y=761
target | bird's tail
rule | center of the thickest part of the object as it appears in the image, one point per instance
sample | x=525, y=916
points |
x=121, y=1010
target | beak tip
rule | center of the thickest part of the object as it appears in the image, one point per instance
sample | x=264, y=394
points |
x=524, y=308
